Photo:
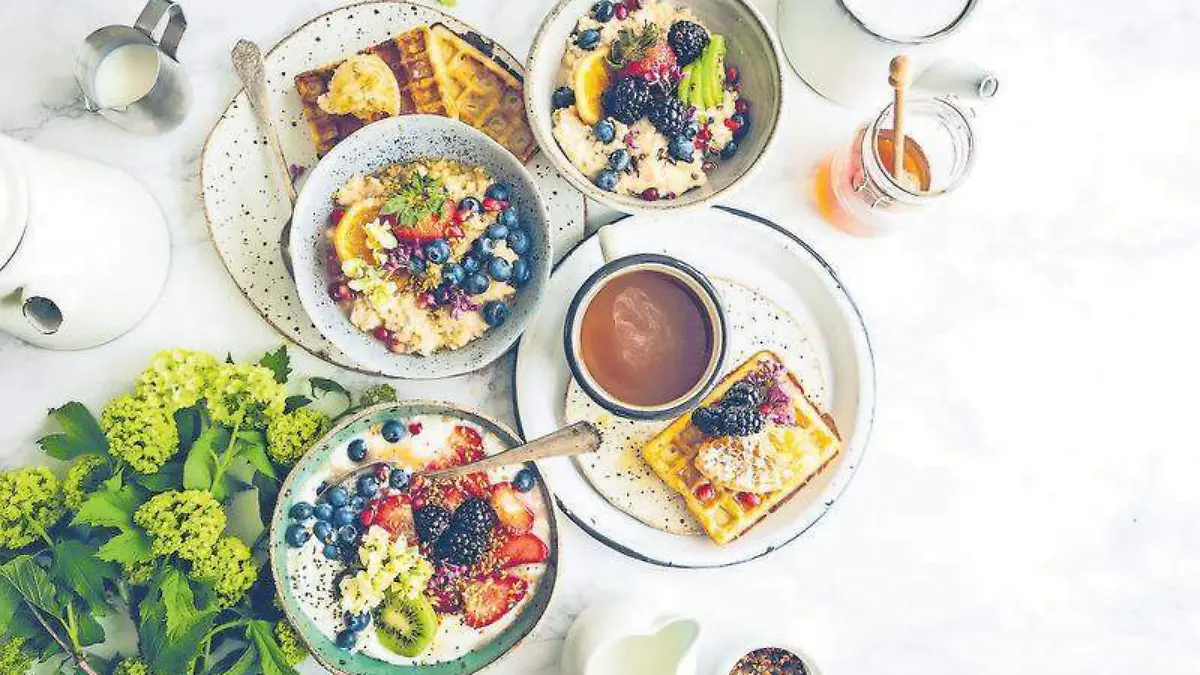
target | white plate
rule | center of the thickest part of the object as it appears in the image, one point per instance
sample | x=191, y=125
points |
x=755, y=253
x=244, y=206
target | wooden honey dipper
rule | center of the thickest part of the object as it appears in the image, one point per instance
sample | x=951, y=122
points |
x=899, y=77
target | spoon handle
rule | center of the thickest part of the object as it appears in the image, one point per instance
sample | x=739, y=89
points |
x=248, y=62
x=577, y=439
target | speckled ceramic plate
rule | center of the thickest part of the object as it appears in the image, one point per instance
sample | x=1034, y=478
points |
x=245, y=209
x=397, y=140
x=315, y=461
x=767, y=277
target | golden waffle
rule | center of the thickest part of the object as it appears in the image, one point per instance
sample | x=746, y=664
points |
x=808, y=447
x=439, y=74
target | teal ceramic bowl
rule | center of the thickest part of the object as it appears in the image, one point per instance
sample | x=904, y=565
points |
x=349, y=663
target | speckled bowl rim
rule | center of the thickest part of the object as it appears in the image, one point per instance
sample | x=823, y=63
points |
x=636, y=205
x=359, y=368
x=279, y=518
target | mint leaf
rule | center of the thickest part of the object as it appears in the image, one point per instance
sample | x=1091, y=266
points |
x=75, y=566
x=128, y=547
x=293, y=402
x=270, y=655
x=81, y=434
x=200, y=468
x=279, y=363
x=108, y=508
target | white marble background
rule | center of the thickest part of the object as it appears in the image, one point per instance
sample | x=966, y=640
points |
x=1030, y=502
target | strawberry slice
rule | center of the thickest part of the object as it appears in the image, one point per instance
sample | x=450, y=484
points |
x=395, y=515
x=523, y=549
x=658, y=63
x=511, y=511
x=424, y=230
x=487, y=599
x=466, y=437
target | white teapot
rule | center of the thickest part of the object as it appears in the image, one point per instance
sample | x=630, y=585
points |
x=84, y=248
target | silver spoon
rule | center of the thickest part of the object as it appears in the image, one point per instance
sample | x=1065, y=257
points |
x=578, y=439
x=248, y=62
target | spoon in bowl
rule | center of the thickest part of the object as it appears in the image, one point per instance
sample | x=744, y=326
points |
x=577, y=439
x=248, y=62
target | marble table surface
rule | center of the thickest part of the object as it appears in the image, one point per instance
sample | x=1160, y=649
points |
x=1029, y=502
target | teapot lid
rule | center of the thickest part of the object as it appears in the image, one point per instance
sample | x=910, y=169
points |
x=14, y=198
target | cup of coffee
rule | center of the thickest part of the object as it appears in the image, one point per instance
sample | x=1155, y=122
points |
x=645, y=336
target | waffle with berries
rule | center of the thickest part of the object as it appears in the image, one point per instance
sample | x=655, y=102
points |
x=803, y=446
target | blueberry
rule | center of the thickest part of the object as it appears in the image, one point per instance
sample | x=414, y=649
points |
x=437, y=251
x=519, y=242
x=296, y=536
x=498, y=191
x=607, y=180
x=562, y=98
x=469, y=264
x=301, y=511
x=367, y=486
x=347, y=534
x=497, y=230
x=588, y=38
x=344, y=516
x=323, y=512
x=357, y=450
x=605, y=131
x=602, y=11
x=323, y=531
x=619, y=160
x=392, y=431
x=681, y=148
x=453, y=274
x=500, y=269
x=357, y=622
x=729, y=150
x=691, y=129
x=470, y=205
x=399, y=479
x=346, y=639
x=476, y=283
x=495, y=313
x=522, y=272
x=523, y=481
x=508, y=218
x=332, y=552
x=483, y=248
x=417, y=266
x=358, y=503
x=337, y=496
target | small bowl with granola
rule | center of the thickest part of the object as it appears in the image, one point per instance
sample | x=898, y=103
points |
x=420, y=247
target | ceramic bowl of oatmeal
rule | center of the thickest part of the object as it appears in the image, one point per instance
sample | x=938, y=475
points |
x=420, y=247
x=654, y=105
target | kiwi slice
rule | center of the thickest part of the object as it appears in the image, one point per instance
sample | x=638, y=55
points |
x=405, y=625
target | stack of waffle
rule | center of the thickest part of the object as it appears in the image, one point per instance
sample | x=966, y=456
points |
x=805, y=449
x=439, y=73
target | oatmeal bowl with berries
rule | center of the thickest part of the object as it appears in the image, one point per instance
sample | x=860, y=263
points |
x=650, y=105
x=420, y=247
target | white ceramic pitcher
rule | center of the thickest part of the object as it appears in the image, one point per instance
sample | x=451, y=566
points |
x=630, y=636
x=84, y=248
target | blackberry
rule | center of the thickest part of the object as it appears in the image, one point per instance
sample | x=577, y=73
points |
x=743, y=394
x=669, y=115
x=709, y=421
x=688, y=40
x=474, y=515
x=431, y=522
x=460, y=546
x=626, y=99
x=739, y=420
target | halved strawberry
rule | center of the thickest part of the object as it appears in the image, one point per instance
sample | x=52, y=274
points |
x=523, y=549
x=395, y=515
x=511, y=511
x=486, y=599
x=658, y=63
x=424, y=230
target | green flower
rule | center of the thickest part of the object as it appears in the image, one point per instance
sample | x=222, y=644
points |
x=132, y=666
x=83, y=477
x=382, y=393
x=244, y=394
x=294, y=651
x=14, y=659
x=230, y=569
x=140, y=432
x=186, y=523
x=176, y=378
x=31, y=502
x=290, y=435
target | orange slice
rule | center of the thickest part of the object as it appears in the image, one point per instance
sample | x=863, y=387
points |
x=350, y=235
x=591, y=79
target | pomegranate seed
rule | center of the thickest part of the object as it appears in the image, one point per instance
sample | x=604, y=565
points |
x=633, y=5
x=670, y=195
x=742, y=106
x=382, y=471
x=490, y=204
x=708, y=166
x=732, y=75
x=704, y=492
x=389, y=219
x=340, y=292
x=748, y=499
x=335, y=216
x=454, y=232
x=456, y=217
x=382, y=334
x=732, y=124
x=650, y=194
x=425, y=300
x=414, y=428
x=621, y=12
x=367, y=517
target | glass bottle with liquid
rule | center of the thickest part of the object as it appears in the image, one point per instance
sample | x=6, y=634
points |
x=856, y=188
